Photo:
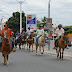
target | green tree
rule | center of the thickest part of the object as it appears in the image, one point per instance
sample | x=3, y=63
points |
x=44, y=20
x=68, y=29
x=38, y=23
x=14, y=21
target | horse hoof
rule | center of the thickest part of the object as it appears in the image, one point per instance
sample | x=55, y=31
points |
x=62, y=58
x=58, y=57
x=42, y=53
x=36, y=53
x=7, y=62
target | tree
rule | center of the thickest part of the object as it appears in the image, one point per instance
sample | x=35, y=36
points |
x=14, y=21
x=38, y=23
x=44, y=20
x=68, y=29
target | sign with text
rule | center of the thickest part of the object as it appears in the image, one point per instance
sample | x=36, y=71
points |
x=31, y=22
x=70, y=37
x=49, y=23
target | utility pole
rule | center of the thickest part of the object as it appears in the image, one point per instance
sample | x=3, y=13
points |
x=49, y=29
x=21, y=2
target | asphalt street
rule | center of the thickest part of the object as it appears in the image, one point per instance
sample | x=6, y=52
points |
x=25, y=61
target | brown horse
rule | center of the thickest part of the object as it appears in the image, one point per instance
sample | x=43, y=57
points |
x=30, y=42
x=6, y=48
x=62, y=44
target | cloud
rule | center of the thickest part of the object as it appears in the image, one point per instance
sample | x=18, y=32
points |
x=61, y=10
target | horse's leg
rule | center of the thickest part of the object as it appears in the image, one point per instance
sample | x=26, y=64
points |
x=4, y=61
x=36, y=49
x=7, y=59
x=32, y=47
x=43, y=49
x=62, y=53
x=15, y=44
x=27, y=46
x=20, y=46
x=57, y=53
x=40, y=49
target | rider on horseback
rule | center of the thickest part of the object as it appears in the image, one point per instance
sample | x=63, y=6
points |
x=59, y=32
x=8, y=33
x=39, y=33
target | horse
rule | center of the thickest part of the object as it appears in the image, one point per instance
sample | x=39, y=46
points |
x=61, y=45
x=23, y=42
x=41, y=42
x=6, y=48
x=30, y=42
x=18, y=41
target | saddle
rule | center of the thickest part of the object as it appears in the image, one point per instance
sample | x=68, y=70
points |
x=6, y=46
x=30, y=40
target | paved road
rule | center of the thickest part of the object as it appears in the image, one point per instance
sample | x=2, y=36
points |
x=24, y=61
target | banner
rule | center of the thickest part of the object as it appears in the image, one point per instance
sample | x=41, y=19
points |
x=49, y=23
x=31, y=22
x=70, y=37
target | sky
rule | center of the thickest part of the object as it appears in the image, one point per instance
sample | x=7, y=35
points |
x=61, y=10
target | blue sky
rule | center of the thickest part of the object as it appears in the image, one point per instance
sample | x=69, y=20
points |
x=61, y=10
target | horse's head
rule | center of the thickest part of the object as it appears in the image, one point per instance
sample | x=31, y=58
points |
x=45, y=34
x=5, y=35
x=65, y=37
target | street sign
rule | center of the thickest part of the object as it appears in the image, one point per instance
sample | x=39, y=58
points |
x=49, y=23
x=70, y=37
x=49, y=20
x=31, y=22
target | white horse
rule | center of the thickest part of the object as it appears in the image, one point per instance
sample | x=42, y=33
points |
x=41, y=43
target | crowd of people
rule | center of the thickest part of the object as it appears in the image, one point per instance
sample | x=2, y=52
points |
x=59, y=32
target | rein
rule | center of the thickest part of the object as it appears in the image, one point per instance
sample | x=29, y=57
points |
x=62, y=39
x=6, y=42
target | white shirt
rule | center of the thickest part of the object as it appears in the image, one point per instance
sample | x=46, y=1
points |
x=59, y=32
x=28, y=32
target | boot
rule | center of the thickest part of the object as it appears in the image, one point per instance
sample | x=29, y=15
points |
x=14, y=50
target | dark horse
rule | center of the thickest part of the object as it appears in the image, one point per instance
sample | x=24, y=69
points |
x=21, y=40
x=62, y=42
x=18, y=41
x=6, y=49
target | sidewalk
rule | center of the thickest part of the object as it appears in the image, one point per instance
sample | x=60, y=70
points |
x=53, y=52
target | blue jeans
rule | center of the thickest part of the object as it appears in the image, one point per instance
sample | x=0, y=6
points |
x=10, y=39
x=56, y=42
x=36, y=40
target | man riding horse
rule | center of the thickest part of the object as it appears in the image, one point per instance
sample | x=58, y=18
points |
x=39, y=33
x=29, y=38
x=59, y=32
x=8, y=32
